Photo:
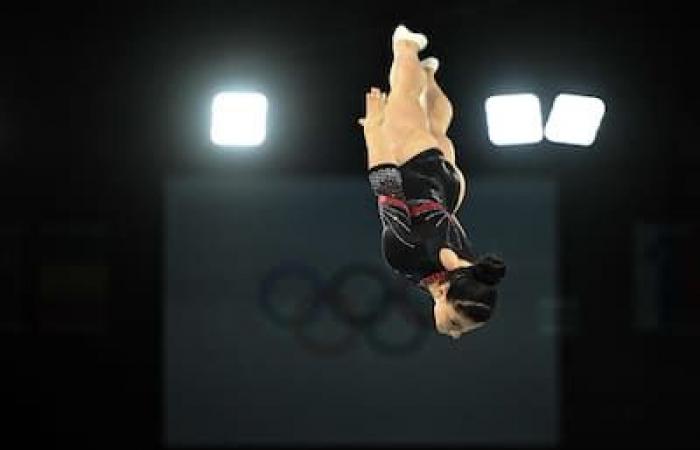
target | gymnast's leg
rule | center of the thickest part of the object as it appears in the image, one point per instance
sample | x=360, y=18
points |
x=406, y=126
x=440, y=113
x=439, y=107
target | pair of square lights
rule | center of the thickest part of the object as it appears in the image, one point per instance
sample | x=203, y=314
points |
x=517, y=119
x=240, y=119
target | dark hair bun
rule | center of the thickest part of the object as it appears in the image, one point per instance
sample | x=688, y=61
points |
x=489, y=269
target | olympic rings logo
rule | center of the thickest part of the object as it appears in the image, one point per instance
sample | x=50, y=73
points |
x=358, y=302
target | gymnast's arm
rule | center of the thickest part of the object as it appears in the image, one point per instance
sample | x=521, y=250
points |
x=450, y=260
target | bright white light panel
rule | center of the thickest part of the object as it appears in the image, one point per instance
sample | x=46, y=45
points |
x=514, y=119
x=239, y=119
x=574, y=119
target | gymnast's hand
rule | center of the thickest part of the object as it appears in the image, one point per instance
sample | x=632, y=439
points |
x=375, y=101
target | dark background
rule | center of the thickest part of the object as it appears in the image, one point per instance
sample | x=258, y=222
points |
x=238, y=373
x=99, y=104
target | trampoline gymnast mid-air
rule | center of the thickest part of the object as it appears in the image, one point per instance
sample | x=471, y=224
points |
x=419, y=188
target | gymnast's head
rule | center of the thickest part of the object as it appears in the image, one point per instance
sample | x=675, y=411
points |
x=467, y=298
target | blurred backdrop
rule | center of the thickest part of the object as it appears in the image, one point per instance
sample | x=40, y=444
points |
x=157, y=290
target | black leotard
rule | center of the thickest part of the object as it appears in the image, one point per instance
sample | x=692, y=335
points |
x=416, y=203
x=428, y=175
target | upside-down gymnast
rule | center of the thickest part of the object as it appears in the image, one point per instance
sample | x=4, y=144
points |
x=412, y=172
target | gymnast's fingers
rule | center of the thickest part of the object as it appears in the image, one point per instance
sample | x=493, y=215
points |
x=374, y=103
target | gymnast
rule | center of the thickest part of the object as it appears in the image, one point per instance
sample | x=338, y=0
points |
x=419, y=188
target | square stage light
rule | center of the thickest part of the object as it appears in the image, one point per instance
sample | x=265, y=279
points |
x=514, y=119
x=574, y=119
x=239, y=119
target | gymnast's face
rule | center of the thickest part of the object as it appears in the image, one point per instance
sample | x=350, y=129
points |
x=448, y=320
